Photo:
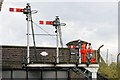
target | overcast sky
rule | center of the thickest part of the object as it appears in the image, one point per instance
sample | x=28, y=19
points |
x=95, y=22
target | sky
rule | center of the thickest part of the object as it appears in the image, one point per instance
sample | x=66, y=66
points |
x=92, y=21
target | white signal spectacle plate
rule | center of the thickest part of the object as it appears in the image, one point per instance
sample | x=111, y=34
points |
x=62, y=24
x=44, y=53
x=34, y=11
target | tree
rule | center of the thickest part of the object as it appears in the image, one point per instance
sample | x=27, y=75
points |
x=109, y=71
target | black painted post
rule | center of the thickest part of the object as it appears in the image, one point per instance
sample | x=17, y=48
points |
x=56, y=74
x=41, y=74
x=11, y=74
x=69, y=74
x=26, y=74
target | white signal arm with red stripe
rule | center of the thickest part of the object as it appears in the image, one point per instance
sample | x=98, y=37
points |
x=16, y=10
x=49, y=23
x=46, y=22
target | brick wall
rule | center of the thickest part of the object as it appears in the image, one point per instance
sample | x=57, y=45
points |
x=14, y=56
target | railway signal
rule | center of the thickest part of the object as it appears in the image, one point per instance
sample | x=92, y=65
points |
x=27, y=10
x=56, y=23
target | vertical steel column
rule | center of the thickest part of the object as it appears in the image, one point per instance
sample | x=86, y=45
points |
x=94, y=69
x=56, y=75
x=28, y=31
x=28, y=48
x=94, y=75
x=79, y=56
x=27, y=74
x=69, y=74
x=56, y=23
x=11, y=74
x=57, y=44
x=41, y=75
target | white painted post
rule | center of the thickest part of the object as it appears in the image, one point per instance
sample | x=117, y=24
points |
x=28, y=48
x=80, y=57
x=28, y=33
x=57, y=44
x=94, y=75
x=94, y=69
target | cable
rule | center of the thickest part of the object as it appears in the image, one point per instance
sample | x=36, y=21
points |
x=43, y=30
x=60, y=33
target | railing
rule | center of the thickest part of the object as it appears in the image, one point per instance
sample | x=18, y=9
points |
x=18, y=56
x=65, y=56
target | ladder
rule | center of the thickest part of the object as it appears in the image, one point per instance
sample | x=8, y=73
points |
x=82, y=71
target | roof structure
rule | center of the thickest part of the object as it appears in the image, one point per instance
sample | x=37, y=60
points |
x=76, y=42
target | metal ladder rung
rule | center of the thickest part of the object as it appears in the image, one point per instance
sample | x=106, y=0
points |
x=80, y=71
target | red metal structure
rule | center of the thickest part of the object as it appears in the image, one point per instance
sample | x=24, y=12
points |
x=81, y=46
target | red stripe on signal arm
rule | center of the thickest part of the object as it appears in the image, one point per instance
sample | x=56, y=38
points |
x=41, y=22
x=16, y=10
x=49, y=22
x=11, y=9
x=19, y=10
